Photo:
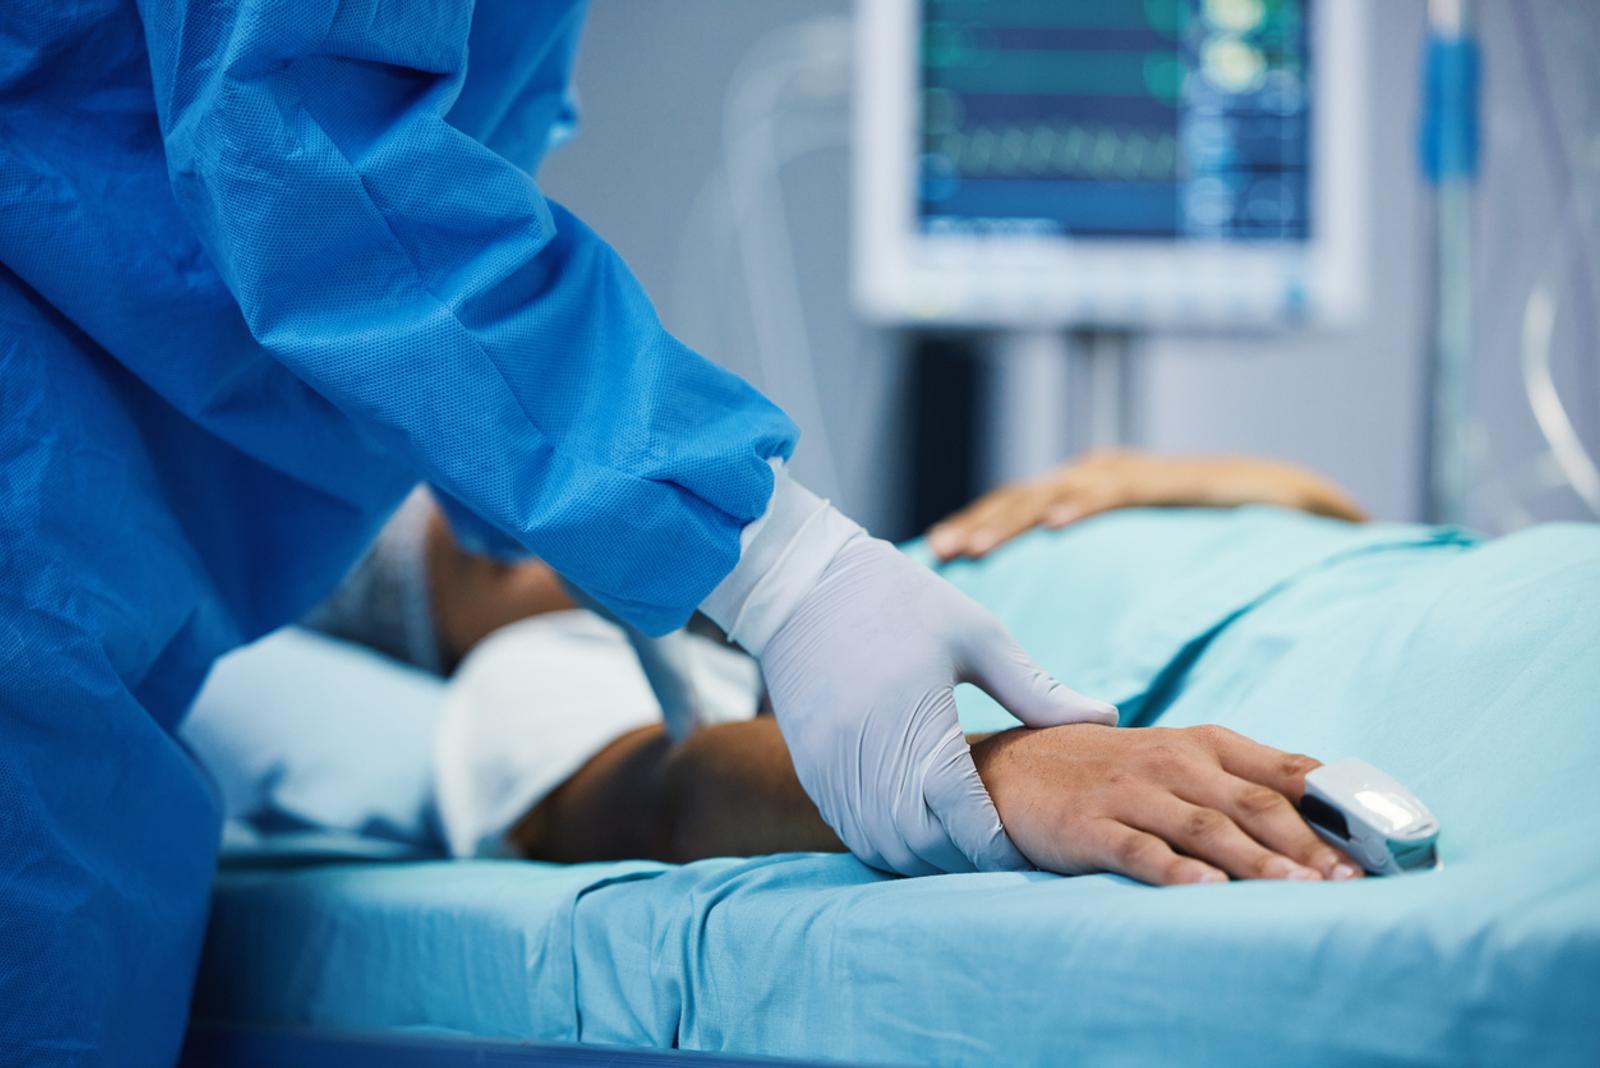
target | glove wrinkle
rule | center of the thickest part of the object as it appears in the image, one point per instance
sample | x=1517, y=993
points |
x=956, y=796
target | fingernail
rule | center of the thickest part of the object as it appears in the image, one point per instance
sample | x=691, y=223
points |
x=1282, y=868
x=1345, y=871
x=982, y=543
x=1110, y=713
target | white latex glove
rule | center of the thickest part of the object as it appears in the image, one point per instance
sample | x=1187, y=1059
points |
x=862, y=648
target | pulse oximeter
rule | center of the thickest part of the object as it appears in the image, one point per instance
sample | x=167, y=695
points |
x=1378, y=822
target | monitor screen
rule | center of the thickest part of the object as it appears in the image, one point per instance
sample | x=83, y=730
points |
x=1145, y=120
x=1143, y=164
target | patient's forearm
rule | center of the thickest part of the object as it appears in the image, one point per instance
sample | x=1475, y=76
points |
x=730, y=790
x=1197, y=804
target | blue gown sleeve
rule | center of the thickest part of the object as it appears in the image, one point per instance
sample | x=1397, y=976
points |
x=423, y=284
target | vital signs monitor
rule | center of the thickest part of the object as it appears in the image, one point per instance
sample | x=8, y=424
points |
x=1133, y=163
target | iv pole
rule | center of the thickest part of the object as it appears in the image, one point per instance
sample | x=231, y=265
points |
x=1034, y=372
x=1448, y=151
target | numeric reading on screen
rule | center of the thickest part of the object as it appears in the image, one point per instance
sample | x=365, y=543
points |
x=1160, y=119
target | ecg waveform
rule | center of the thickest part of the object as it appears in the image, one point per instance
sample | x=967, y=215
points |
x=1074, y=150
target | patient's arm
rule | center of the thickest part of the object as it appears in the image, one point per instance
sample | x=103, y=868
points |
x=1104, y=481
x=1164, y=806
x=728, y=790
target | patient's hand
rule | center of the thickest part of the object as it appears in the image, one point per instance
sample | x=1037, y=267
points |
x=1164, y=806
x=1103, y=481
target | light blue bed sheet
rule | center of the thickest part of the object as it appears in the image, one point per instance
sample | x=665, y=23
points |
x=1470, y=671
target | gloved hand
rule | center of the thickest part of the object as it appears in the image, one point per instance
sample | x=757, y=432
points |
x=861, y=679
x=862, y=648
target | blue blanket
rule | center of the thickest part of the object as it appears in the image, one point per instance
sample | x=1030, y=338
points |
x=1470, y=670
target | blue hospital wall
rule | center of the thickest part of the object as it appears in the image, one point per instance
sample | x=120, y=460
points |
x=646, y=171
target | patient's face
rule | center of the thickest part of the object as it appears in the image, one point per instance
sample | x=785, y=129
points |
x=474, y=596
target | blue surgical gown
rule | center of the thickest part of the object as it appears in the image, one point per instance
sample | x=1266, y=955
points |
x=264, y=265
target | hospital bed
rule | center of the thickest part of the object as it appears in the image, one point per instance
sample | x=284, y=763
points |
x=1470, y=670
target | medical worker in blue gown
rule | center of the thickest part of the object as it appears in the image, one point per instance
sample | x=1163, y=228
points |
x=264, y=265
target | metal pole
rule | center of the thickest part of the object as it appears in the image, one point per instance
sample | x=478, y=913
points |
x=1448, y=150
x=1031, y=423
x=1058, y=394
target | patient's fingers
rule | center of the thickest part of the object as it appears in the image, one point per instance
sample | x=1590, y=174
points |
x=1081, y=505
x=1079, y=491
x=1258, y=786
x=1139, y=855
x=1212, y=836
x=1019, y=514
x=1271, y=820
x=1284, y=772
x=1007, y=513
x=951, y=535
x=992, y=520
